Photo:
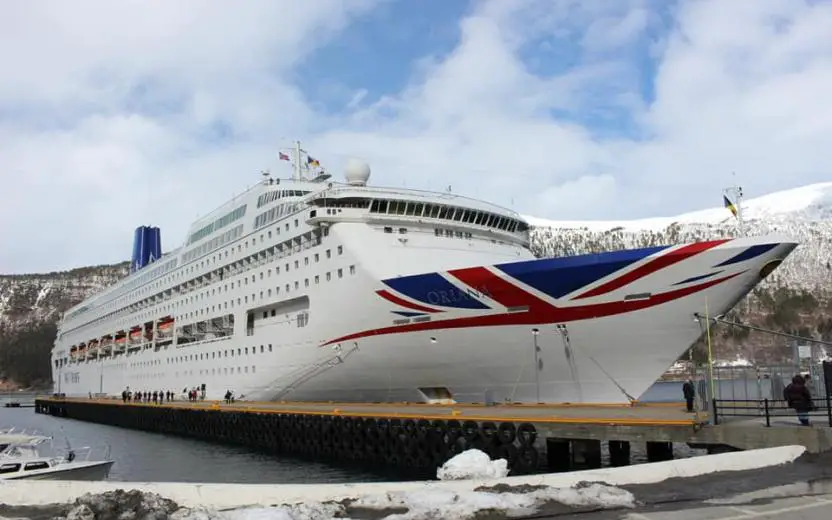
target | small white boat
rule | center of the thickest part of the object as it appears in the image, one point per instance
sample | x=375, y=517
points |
x=23, y=460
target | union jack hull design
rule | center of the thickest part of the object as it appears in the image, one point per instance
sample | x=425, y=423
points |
x=606, y=325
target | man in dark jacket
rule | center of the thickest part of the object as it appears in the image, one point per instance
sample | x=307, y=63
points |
x=799, y=398
x=689, y=391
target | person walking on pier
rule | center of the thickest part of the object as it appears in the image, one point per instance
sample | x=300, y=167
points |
x=689, y=391
x=799, y=398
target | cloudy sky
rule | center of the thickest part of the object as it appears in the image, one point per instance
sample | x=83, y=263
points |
x=120, y=113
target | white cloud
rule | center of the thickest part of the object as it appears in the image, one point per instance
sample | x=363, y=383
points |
x=111, y=114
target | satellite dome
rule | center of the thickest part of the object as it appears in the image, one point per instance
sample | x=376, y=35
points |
x=357, y=172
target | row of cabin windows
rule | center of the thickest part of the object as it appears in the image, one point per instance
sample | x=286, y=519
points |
x=240, y=351
x=218, y=224
x=442, y=212
x=437, y=231
x=118, y=301
x=272, y=196
x=245, y=264
x=339, y=273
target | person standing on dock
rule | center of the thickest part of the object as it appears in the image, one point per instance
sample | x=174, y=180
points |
x=799, y=398
x=689, y=391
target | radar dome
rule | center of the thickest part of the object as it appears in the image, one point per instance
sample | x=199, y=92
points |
x=357, y=172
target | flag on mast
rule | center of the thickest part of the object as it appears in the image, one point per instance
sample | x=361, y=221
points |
x=283, y=156
x=730, y=205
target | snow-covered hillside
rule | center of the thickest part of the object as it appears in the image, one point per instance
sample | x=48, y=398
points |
x=804, y=214
x=812, y=203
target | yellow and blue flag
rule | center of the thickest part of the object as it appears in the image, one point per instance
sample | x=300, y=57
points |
x=730, y=205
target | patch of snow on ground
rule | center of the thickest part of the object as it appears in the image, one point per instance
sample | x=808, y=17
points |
x=432, y=503
x=471, y=464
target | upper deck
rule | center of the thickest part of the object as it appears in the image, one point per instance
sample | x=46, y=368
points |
x=274, y=199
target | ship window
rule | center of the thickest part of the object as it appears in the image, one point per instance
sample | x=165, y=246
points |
x=297, y=264
x=352, y=269
x=402, y=230
x=296, y=222
x=306, y=282
x=317, y=279
x=340, y=273
x=388, y=229
x=393, y=206
x=306, y=261
x=9, y=468
x=297, y=285
x=329, y=253
x=270, y=347
x=328, y=276
x=340, y=250
x=273, y=313
x=265, y=314
x=36, y=465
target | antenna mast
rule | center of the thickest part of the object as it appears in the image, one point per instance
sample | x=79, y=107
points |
x=296, y=175
x=735, y=193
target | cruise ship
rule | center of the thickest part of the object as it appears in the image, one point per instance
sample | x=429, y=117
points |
x=313, y=289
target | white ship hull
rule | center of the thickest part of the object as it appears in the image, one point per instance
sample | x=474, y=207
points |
x=606, y=327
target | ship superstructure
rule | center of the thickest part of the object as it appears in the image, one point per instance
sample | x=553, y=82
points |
x=312, y=289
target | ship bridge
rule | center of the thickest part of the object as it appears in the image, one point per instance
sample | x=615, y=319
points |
x=447, y=213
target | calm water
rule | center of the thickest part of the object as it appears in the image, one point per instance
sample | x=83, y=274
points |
x=142, y=456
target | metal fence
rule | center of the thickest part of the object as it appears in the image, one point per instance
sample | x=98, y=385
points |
x=753, y=383
x=769, y=409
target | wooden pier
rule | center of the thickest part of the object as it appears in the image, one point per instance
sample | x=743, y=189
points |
x=418, y=438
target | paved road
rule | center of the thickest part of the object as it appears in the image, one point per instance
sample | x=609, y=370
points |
x=793, y=508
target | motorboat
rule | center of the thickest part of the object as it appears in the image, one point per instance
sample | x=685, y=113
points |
x=24, y=460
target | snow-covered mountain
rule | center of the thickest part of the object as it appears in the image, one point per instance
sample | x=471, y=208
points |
x=804, y=214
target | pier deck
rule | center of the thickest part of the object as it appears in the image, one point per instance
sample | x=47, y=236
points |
x=423, y=436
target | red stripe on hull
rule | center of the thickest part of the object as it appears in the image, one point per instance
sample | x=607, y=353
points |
x=651, y=267
x=498, y=289
x=404, y=303
x=539, y=314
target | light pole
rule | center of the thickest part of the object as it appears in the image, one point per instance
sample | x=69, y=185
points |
x=535, y=332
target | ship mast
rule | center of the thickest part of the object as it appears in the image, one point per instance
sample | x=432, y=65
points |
x=734, y=194
x=296, y=174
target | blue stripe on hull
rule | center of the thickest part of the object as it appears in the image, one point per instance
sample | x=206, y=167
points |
x=558, y=277
x=433, y=289
x=748, y=254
